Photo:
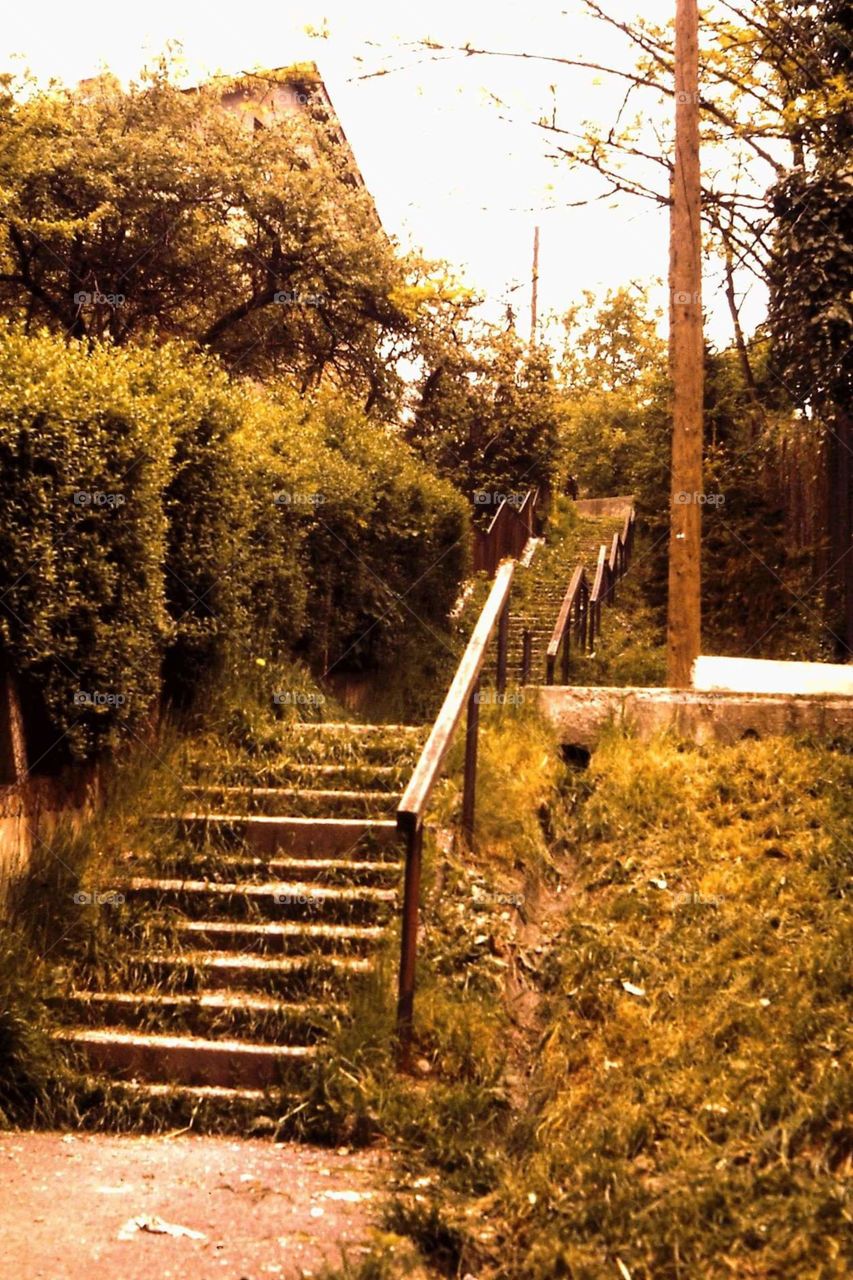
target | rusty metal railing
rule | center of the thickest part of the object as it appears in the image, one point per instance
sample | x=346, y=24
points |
x=462, y=698
x=509, y=529
x=580, y=611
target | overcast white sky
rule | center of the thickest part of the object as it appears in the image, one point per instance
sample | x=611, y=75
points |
x=452, y=173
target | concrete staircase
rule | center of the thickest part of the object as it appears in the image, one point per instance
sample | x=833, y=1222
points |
x=539, y=588
x=244, y=923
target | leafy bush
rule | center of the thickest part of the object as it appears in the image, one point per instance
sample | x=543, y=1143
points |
x=164, y=520
x=386, y=541
x=84, y=459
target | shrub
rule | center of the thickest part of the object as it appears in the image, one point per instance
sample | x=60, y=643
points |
x=163, y=520
x=84, y=459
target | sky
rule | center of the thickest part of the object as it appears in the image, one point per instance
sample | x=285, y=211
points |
x=447, y=143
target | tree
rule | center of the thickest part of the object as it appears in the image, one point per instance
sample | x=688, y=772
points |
x=811, y=298
x=613, y=376
x=488, y=416
x=154, y=213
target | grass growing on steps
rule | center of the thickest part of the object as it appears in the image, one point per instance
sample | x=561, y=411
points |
x=676, y=1102
x=63, y=929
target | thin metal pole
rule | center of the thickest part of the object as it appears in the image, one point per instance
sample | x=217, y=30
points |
x=469, y=794
x=503, y=639
x=409, y=946
x=526, y=655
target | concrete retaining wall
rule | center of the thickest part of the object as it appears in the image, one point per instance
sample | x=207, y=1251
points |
x=31, y=807
x=580, y=714
x=605, y=506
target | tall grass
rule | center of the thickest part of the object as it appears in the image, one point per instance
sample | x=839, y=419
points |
x=684, y=1101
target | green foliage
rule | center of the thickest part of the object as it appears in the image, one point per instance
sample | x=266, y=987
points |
x=84, y=458
x=156, y=212
x=30, y=1063
x=685, y=1086
x=613, y=370
x=811, y=313
x=488, y=417
x=387, y=544
x=218, y=524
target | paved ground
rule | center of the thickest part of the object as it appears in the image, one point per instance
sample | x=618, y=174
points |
x=106, y=1208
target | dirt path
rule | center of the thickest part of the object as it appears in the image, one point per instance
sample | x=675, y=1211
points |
x=89, y=1207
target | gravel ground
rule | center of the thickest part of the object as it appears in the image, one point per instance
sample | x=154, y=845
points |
x=95, y=1207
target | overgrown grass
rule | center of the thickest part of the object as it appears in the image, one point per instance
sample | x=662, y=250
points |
x=631, y=649
x=686, y=1089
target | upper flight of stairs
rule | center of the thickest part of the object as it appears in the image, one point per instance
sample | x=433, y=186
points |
x=246, y=920
x=538, y=591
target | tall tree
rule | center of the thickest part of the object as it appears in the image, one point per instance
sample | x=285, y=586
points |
x=155, y=213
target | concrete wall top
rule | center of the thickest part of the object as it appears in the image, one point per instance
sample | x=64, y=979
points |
x=760, y=675
x=619, y=506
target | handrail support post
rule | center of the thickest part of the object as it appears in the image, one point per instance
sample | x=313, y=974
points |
x=409, y=945
x=469, y=792
x=503, y=642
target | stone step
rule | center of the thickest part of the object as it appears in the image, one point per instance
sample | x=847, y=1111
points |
x=358, y=729
x=152, y=1107
x=265, y=833
x=352, y=774
x=238, y=867
x=188, y=1060
x=282, y=938
x=298, y=801
x=288, y=978
x=210, y=1014
x=276, y=900
x=318, y=748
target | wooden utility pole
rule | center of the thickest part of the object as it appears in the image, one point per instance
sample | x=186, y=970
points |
x=685, y=357
x=534, y=288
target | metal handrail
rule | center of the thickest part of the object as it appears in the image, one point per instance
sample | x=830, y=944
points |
x=581, y=608
x=573, y=615
x=462, y=697
x=508, y=530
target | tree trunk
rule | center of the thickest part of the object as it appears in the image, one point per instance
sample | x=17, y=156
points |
x=686, y=358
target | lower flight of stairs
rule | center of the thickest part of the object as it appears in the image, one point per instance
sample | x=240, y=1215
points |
x=242, y=926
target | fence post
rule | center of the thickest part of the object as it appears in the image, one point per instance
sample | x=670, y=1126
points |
x=409, y=945
x=469, y=792
x=526, y=655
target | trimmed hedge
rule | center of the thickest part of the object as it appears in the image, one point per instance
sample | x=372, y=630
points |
x=163, y=524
